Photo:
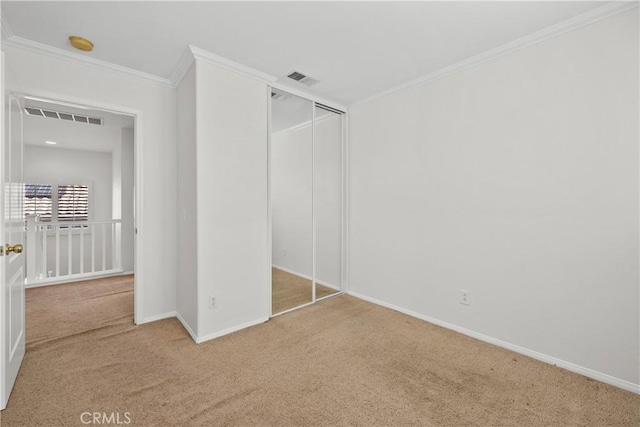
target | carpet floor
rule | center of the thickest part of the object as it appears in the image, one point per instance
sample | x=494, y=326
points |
x=342, y=361
x=290, y=291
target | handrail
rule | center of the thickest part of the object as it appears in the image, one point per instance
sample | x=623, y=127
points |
x=111, y=221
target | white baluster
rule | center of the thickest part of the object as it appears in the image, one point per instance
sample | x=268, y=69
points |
x=57, y=250
x=45, y=231
x=104, y=248
x=93, y=248
x=81, y=249
x=69, y=251
x=113, y=245
x=32, y=231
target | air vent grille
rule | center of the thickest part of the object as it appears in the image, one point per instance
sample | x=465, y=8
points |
x=296, y=76
x=303, y=78
x=34, y=111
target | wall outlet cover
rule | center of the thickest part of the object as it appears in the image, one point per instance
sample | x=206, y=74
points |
x=465, y=297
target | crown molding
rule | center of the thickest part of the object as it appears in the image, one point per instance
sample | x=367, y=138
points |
x=227, y=64
x=598, y=14
x=37, y=47
x=193, y=53
x=304, y=124
x=6, y=30
x=294, y=90
x=183, y=65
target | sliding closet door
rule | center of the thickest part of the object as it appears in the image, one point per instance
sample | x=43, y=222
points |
x=291, y=170
x=328, y=201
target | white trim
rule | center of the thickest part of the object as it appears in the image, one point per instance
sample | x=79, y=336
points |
x=138, y=285
x=3, y=398
x=186, y=326
x=37, y=47
x=183, y=65
x=193, y=53
x=587, y=372
x=308, y=123
x=227, y=64
x=138, y=230
x=304, y=276
x=345, y=203
x=591, y=17
x=289, y=310
x=157, y=317
x=76, y=278
x=6, y=30
x=286, y=87
x=269, y=210
x=313, y=202
x=294, y=127
x=200, y=340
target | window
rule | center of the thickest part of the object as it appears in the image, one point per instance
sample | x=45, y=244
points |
x=73, y=203
x=58, y=202
x=37, y=200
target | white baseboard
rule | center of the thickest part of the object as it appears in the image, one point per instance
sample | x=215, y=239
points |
x=304, y=276
x=587, y=372
x=161, y=316
x=219, y=334
x=185, y=325
x=72, y=279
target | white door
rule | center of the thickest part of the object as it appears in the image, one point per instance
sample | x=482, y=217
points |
x=13, y=262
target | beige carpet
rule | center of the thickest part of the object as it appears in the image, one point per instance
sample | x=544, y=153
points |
x=289, y=291
x=341, y=361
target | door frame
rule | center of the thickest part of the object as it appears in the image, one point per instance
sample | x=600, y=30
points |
x=344, y=197
x=70, y=101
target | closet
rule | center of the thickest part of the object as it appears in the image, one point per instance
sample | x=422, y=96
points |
x=306, y=193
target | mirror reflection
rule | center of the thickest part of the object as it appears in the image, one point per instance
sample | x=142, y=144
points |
x=291, y=201
x=328, y=200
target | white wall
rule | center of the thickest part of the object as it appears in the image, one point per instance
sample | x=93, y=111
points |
x=291, y=199
x=231, y=164
x=44, y=165
x=518, y=181
x=186, y=291
x=73, y=82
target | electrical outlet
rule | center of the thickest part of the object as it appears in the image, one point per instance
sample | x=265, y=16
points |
x=465, y=297
x=213, y=303
x=284, y=253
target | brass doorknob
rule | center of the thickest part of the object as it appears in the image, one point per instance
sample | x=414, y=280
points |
x=15, y=248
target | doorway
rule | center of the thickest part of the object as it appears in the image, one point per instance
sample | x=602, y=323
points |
x=79, y=192
x=306, y=199
x=79, y=181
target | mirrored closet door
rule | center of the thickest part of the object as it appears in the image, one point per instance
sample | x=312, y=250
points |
x=306, y=201
x=327, y=200
x=291, y=183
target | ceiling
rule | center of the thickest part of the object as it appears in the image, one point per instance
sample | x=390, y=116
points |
x=74, y=135
x=355, y=49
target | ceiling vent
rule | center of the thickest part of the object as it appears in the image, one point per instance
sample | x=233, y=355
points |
x=303, y=78
x=34, y=111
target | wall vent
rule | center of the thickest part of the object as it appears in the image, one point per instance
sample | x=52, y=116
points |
x=34, y=111
x=302, y=78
